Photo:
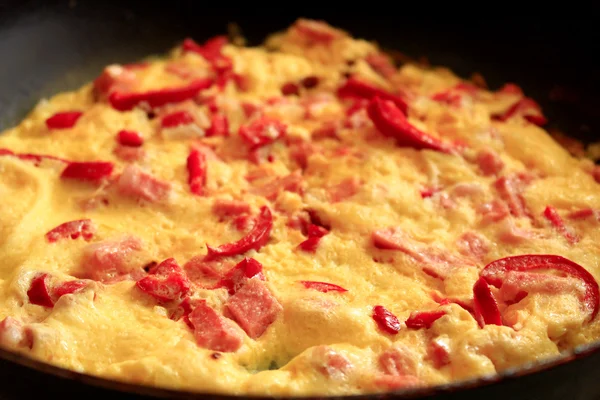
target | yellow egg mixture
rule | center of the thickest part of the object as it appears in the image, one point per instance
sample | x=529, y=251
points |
x=407, y=226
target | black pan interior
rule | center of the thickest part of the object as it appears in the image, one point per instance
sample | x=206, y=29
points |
x=51, y=46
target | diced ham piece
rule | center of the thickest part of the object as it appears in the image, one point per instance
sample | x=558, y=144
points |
x=200, y=270
x=510, y=190
x=291, y=183
x=213, y=331
x=253, y=307
x=13, y=334
x=394, y=382
x=227, y=208
x=471, y=244
x=344, y=190
x=516, y=285
x=398, y=360
x=114, y=78
x=129, y=154
x=489, y=162
x=438, y=352
x=509, y=233
x=329, y=362
x=138, y=184
x=381, y=64
x=108, y=261
x=493, y=212
x=237, y=277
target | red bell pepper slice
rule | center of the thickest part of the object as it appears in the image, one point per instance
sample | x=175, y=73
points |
x=87, y=171
x=315, y=233
x=38, y=292
x=196, y=166
x=166, y=281
x=211, y=51
x=72, y=229
x=176, y=118
x=255, y=239
x=155, y=98
x=234, y=279
x=486, y=306
x=354, y=88
x=424, y=319
x=390, y=121
x=262, y=131
x=494, y=271
x=63, y=120
x=386, y=321
x=310, y=82
x=582, y=214
x=219, y=126
x=69, y=287
x=316, y=31
x=323, y=287
x=36, y=158
x=528, y=108
x=556, y=220
x=130, y=138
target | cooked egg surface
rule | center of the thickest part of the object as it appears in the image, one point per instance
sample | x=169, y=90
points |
x=301, y=218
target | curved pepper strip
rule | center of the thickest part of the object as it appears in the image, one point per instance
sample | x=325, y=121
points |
x=156, y=98
x=390, y=121
x=486, y=306
x=493, y=272
x=355, y=88
x=386, y=321
x=323, y=287
x=423, y=319
x=36, y=158
x=196, y=166
x=255, y=239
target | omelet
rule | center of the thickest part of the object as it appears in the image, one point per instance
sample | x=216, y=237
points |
x=299, y=218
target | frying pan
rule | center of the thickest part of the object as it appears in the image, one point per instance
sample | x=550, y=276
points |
x=52, y=46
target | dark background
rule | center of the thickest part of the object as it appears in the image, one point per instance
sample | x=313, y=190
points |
x=50, y=46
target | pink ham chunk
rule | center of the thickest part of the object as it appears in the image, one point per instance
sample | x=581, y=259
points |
x=110, y=261
x=473, y=245
x=398, y=360
x=253, y=307
x=213, y=331
x=489, y=162
x=330, y=363
x=344, y=190
x=227, y=208
x=13, y=334
x=136, y=183
x=510, y=190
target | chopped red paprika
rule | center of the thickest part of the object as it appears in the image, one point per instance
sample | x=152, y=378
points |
x=494, y=271
x=381, y=64
x=386, y=321
x=486, y=306
x=255, y=239
x=354, y=88
x=166, y=281
x=124, y=101
x=424, y=319
x=38, y=292
x=176, y=118
x=219, y=126
x=315, y=233
x=323, y=287
x=556, y=220
x=130, y=138
x=196, y=166
x=72, y=229
x=63, y=120
x=390, y=121
x=582, y=214
x=235, y=278
x=290, y=88
x=262, y=131
x=87, y=171
x=35, y=158
x=528, y=109
x=69, y=287
x=211, y=51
